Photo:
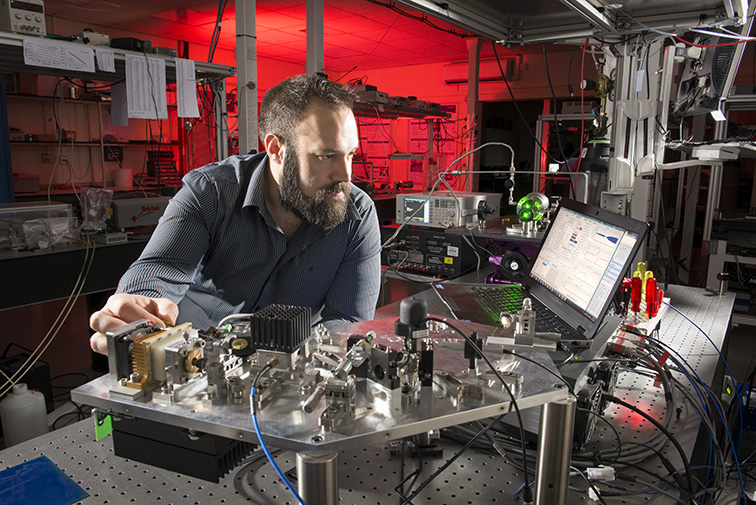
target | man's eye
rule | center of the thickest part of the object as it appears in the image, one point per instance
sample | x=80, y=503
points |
x=325, y=157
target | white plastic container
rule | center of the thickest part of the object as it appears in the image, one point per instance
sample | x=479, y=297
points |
x=23, y=415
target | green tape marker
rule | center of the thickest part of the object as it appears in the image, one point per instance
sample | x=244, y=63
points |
x=103, y=424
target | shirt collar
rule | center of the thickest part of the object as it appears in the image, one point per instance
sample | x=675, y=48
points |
x=256, y=189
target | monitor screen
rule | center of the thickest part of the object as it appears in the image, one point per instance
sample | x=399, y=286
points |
x=582, y=259
x=416, y=209
x=16, y=4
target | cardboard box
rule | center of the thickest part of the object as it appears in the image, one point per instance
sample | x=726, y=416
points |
x=25, y=184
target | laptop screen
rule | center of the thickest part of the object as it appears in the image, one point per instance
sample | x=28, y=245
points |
x=582, y=259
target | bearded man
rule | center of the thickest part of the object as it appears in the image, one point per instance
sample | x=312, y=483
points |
x=285, y=226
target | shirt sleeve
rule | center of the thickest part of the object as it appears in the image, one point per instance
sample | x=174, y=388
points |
x=169, y=262
x=354, y=291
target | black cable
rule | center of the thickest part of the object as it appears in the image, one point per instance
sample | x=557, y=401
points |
x=553, y=97
x=454, y=458
x=555, y=374
x=264, y=369
x=616, y=435
x=70, y=374
x=622, y=476
x=216, y=30
x=473, y=345
x=664, y=227
x=399, y=488
x=79, y=416
x=569, y=72
x=593, y=486
x=68, y=388
x=517, y=106
x=422, y=19
x=664, y=430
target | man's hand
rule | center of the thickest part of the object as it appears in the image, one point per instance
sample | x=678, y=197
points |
x=122, y=309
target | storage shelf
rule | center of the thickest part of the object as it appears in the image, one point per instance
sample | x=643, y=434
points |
x=92, y=144
x=23, y=96
x=388, y=111
x=12, y=57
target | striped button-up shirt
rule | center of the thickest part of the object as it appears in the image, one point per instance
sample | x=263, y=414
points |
x=217, y=251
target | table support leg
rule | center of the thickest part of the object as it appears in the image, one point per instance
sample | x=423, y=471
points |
x=554, y=452
x=318, y=477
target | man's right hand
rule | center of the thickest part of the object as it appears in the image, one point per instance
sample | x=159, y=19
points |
x=122, y=309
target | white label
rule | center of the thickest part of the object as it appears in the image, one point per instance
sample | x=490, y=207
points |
x=639, y=80
x=452, y=251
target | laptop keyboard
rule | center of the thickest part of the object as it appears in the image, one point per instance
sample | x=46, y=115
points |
x=510, y=300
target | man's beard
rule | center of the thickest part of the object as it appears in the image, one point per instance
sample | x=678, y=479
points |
x=322, y=209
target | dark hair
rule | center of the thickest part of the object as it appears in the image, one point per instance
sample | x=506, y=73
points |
x=283, y=105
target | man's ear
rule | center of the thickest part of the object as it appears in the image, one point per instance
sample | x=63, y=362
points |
x=274, y=147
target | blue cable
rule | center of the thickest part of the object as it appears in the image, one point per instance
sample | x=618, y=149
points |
x=514, y=495
x=732, y=376
x=721, y=415
x=267, y=452
x=735, y=449
x=703, y=404
x=700, y=399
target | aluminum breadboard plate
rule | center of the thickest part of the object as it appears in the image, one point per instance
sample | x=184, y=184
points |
x=366, y=475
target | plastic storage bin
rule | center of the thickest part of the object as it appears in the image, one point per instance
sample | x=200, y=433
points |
x=36, y=225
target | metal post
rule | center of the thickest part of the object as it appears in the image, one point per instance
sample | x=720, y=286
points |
x=221, y=119
x=315, y=36
x=554, y=451
x=318, y=478
x=246, y=79
x=473, y=109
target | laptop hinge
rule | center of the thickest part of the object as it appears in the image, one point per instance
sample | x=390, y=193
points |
x=579, y=344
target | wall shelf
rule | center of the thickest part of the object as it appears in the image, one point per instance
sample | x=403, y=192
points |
x=90, y=132
x=12, y=59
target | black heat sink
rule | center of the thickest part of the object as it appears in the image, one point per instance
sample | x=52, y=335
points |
x=203, y=455
x=279, y=327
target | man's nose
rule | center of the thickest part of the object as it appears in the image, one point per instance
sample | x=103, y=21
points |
x=342, y=169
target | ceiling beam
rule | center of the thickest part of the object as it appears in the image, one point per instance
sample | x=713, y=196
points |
x=592, y=14
x=460, y=17
x=577, y=32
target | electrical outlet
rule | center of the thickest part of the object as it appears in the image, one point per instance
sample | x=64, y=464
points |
x=48, y=158
x=114, y=153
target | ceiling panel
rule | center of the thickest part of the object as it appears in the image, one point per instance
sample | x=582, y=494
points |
x=555, y=19
x=377, y=30
x=281, y=26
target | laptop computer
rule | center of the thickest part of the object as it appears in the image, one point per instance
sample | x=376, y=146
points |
x=578, y=268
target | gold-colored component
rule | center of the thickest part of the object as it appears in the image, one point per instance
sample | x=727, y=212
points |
x=141, y=360
x=190, y=360
x=604, y=85
x=239, y=344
